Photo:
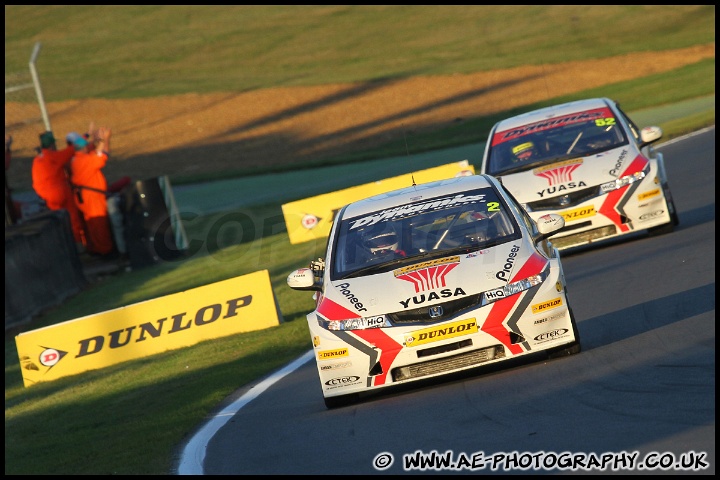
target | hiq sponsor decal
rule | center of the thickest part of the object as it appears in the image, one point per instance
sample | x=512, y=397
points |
x=578, y=213
x=551, y=334
x=434, y=334
x=649, y=194
x=428, y=275
x=506, y=272
x=549, y=305
x=330, y=354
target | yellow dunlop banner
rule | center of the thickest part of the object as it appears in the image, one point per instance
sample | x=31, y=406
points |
x=240, y=304
x=311, y=218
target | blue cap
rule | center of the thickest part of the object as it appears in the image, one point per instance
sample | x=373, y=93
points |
x=80, y=143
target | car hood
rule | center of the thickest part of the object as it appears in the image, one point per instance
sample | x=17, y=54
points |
x=566, y=176
x=430, y=282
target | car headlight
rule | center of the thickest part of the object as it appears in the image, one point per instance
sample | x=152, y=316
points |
x=621, y=182
x=513, y=288
x=360, y=323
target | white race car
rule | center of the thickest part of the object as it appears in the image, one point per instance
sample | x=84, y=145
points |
x=434, y=279
x=587, y=161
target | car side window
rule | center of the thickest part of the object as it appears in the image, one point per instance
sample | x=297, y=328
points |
x=633, y=128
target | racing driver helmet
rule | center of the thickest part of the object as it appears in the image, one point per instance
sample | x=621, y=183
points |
x=523, y=151
x=380, y=239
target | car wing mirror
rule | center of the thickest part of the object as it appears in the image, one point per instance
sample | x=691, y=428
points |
x=649, y=135
x=549, y=224
x=304, y=279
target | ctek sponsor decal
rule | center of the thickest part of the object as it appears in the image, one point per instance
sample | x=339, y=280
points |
x=330, y=354
x=649, y=194
x=428, y=275
x=435, y=334
x=549, y=305
x=578, y=213
x=551, y=335
x=650, y=216
x=558, y=172
x=342, y=380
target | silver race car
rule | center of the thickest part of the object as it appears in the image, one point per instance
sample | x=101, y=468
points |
x=434, y=279
x=587, y=161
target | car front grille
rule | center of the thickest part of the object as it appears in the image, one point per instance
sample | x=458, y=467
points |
x=422, y=315
x=583, y=238
x=454, y=362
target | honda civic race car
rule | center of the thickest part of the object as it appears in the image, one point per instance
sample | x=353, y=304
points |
x=430, y=280
x=587, y=161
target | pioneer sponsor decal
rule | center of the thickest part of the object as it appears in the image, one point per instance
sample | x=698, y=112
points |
x=649, y=194
x=551, y=335
x=505, y=273
x=578, y=213
x=549, y=305
x=344, y=289
x=334, y=366
x=615, y=171
x=428, y=275
x=435, y=334
x=429, y=297
x=414, y=208
x=330, y=354
x=558, y=172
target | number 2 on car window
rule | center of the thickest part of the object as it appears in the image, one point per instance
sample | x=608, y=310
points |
x=493, y=206
x=602, y=122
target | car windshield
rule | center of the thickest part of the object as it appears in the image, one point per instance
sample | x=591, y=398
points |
x=429, y=228
x=540, y=143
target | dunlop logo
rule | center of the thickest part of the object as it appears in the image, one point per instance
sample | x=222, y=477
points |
x=649, y=194
x=579, y=213
x=549, y=305
x=448, y=330
x=330, y=354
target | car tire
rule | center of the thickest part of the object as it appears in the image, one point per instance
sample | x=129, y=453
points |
x=674, y=219
x=341, y=400
x=571, y=348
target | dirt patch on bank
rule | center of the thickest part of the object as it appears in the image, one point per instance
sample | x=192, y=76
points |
x=187, y=134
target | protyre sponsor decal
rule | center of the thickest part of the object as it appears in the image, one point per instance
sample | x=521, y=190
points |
x=442, y=332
